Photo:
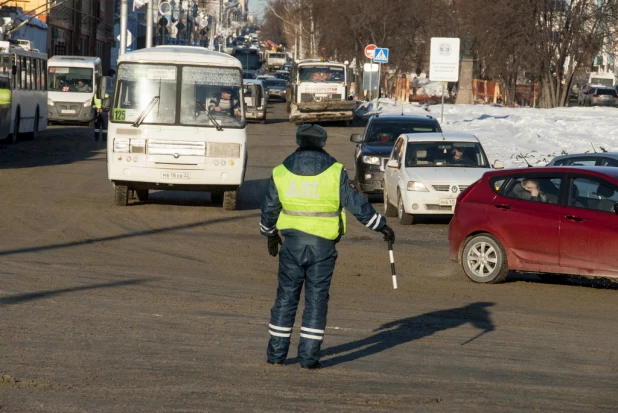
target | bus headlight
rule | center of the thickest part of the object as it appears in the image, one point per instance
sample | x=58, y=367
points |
x=50, y=102
x=88, y=103
x=223, y=150
x=121, y=145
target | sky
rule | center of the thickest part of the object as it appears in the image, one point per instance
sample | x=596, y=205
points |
x=257, y=7
x=509, y=134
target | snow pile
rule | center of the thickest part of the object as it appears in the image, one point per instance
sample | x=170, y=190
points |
x=517, y=135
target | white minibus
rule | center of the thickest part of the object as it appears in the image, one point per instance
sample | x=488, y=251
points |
x=71, y=83
x=177, y=122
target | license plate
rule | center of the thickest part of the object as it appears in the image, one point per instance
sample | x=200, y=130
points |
x=449, y=201
x=176, y=175
x=321, y=95
x=68, y=111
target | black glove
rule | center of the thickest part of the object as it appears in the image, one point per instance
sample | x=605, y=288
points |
x=273, y=245
x=389, y=234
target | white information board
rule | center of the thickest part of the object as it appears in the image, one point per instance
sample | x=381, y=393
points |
x=444, y=59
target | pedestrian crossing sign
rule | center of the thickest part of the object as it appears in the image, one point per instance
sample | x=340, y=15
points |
x=381, y=55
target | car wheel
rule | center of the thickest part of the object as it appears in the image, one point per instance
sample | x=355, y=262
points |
x=389, y=209
x=483, y=259
x=402, y=215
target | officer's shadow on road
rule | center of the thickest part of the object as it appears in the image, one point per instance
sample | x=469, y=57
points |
x=409, y=329
x=252, y=193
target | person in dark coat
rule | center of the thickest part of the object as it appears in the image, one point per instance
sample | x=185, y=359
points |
x=305, y=202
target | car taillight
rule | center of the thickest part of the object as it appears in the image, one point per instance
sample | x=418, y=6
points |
x=596, y=96
x=464, y=194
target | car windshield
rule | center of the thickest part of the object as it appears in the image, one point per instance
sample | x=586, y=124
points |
x=141, y=85
x=445, y=154
x=69, y=79
x=381, y=133
x=322, y=73
x=211, y=92
x=277, y=55
x=275, y=82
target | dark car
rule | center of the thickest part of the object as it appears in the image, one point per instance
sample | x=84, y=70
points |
x=375, y=144
x=558, y=220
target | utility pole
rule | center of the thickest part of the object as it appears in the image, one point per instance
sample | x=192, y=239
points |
x=124, y=11
x=149, y=24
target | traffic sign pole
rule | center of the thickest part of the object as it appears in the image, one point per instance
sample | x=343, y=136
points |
x=370, y=53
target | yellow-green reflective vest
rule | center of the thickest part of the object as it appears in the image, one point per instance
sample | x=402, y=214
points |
x=311, y=204
x=97, y=101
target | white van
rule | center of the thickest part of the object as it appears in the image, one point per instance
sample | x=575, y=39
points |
x=255, y=100
x=71, y=84
x=177, y=122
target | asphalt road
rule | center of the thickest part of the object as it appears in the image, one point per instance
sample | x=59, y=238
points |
x=164, y=306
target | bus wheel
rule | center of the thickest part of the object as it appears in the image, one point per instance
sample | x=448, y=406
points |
x=230, y=200
x=121, y=195
x=35, y=129
x=12, y=138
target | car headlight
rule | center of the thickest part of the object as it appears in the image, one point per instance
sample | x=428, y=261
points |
x=417, y=186
x=121, y=145
x=88, y=103
x=371, y=160
x=50, y=102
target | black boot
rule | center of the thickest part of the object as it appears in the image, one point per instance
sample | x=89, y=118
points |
x=314, y=366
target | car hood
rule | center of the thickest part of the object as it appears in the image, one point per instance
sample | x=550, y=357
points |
x=379, y=150
x=458, y=175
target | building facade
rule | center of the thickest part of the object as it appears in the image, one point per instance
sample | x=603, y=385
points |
x=76, y=27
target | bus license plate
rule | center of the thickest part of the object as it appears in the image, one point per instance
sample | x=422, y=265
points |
x=68, y=111
x=450, y=201
x=175, y=175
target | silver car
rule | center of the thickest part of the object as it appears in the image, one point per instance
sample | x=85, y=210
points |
x=601, y=96
x=586, y=159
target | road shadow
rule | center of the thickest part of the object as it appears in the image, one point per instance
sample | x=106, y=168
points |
x=409, y=329
x=56, y=146
x=121, y=236
x=252, y=193
x=563, y=279
x=20, y=298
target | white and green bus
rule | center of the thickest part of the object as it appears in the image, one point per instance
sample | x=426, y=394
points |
x=177, y=122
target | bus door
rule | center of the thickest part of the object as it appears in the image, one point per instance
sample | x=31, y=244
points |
x=6, y=67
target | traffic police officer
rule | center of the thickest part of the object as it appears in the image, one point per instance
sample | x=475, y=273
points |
x=305, y=201
x=101, y=117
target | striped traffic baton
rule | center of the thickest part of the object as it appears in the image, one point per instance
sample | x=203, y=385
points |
x=392, y=257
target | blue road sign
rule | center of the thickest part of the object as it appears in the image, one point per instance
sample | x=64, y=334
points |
x=381, y=55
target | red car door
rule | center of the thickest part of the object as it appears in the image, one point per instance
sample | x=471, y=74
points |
x=529, y=229
x=589, y=229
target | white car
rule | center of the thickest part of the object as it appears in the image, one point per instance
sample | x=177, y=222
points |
x=426, y=172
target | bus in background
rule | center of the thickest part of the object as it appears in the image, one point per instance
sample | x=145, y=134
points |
x=71, y=83
x=23, y=91
x=177, y=122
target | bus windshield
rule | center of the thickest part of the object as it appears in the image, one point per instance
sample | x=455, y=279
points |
x=69, y=79
x=145, y=91
x=321, y=73
x=211, y=94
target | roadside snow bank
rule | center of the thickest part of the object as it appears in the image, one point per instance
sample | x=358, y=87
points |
x=512, y=134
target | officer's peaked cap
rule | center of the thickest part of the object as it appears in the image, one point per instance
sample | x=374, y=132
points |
x=311, y=135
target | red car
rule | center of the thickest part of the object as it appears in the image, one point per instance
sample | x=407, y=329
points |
x=561, y=220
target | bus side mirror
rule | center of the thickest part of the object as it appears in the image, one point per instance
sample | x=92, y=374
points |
x=102, y=87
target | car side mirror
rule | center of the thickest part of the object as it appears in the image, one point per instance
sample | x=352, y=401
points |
x=356, y=138
x=498, y=165
x=393, y=163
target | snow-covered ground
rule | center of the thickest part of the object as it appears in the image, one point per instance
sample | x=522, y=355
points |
x=509, y=134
